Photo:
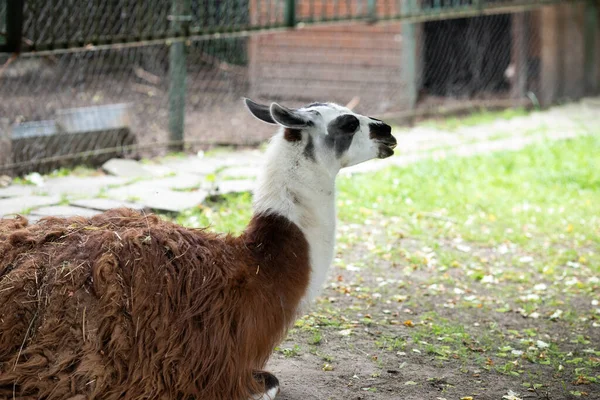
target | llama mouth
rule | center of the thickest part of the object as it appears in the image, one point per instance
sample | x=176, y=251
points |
x=386, y=149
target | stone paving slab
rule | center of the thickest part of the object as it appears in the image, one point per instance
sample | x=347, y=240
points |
x=158, y=169
x=126, y=168
x=194, y=165
x=182, y=181
x=174, y=201
x=175, y=184
x=17, y=205
x=64, y=211
x=209, y=165
x=158, y=199
x=74, y=185
x=18, y=190
x=240, y=172
x=233, y=186
x=105, y=204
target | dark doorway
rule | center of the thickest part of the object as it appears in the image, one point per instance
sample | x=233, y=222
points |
x=468, y=56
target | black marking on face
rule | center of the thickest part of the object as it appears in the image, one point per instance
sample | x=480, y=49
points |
x=375, y=119
x=309, y=150
x=341, y=132
x=382, y=132
x=292, y=135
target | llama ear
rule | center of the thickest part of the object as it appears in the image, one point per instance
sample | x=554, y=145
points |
x=290, y=118
x=260, y=111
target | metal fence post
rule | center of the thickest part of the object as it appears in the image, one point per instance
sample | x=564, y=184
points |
x=5, y=146
x=372, y=10
x=14, y=26
x=409, y=53
x=591, y=57
x=290, y=13
x=520, y=41
x=177, y=73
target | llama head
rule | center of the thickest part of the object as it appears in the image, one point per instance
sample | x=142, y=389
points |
x=328, y=134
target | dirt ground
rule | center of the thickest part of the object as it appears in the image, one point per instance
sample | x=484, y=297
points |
x=377, y=329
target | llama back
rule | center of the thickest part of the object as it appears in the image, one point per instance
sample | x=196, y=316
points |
x=116, y=306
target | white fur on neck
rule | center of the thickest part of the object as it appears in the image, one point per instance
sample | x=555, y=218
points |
x=300, y=190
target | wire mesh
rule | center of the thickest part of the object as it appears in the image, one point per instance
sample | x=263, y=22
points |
x=94, y=80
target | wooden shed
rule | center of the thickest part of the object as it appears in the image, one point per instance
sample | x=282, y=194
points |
x=333, y=63
x=539, y=54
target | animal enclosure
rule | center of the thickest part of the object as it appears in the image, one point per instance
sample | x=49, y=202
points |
x=181, y=66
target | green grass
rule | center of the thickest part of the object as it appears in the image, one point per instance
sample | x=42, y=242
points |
x=546, y=190
x=230, y=213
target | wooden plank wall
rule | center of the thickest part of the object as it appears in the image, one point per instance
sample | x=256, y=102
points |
x=334, y=63
x=572, y=25
x=271, y=11
x=562, y=53
x=329, y=63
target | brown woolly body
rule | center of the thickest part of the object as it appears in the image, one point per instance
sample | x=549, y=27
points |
x=128, y=306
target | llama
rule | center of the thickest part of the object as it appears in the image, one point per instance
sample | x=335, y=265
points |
x=129, y=306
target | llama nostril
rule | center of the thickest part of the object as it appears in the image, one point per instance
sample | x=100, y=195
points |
x=389, y=141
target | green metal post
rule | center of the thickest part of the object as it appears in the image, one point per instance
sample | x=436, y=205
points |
x=590, y=66
x=478, y=4
x=14, y=26
x=372, y=10
x=290, y=13
x=409, y=53
x=177, y=73
x=520, y=41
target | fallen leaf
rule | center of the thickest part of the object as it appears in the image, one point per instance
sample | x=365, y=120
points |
x=463, y=248
x=581, y=380
x=542, y=345
x=511, y=396
x=556, y=314
x=570, y=228
x=409, y=323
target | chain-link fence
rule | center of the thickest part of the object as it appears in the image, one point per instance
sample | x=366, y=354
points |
x=98, y=79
